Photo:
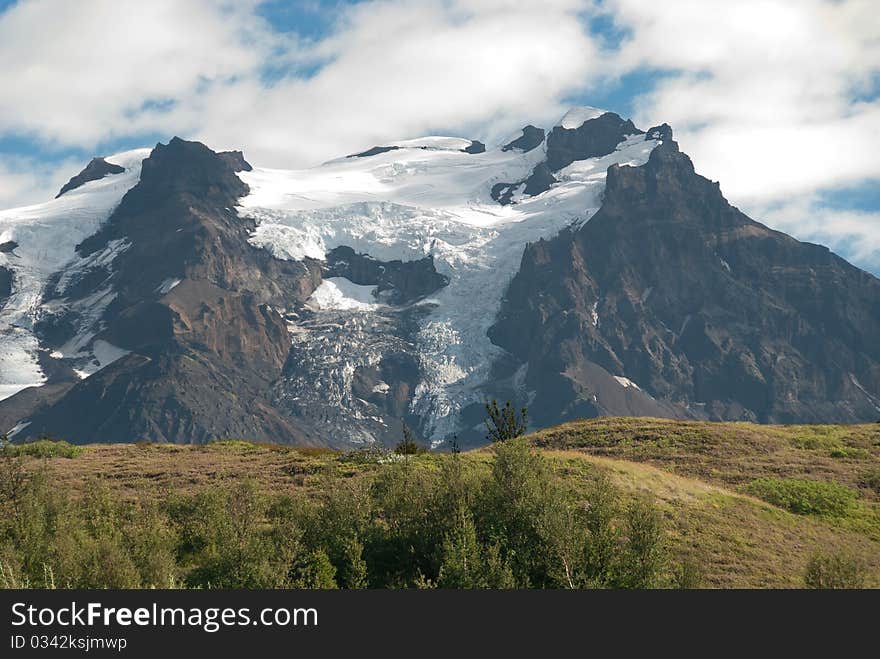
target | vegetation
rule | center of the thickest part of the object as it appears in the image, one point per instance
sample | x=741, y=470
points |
x=515, y=524
x=804, y=497
x=408, y=445
x=42, y=448
x=503, y=423
x=536, y=512
x=833, y=571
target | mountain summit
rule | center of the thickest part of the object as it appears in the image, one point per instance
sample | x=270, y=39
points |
x=181, y=295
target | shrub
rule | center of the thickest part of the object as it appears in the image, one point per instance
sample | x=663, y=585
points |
x=804, y=497
x=850, y=453
x=871, y=480
x=408, y=445
x=44, y=448
x=833, y=571
x=504, y=423
x=644, y=555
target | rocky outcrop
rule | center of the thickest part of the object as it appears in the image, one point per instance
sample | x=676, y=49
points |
x=5, y=284
x=397, y=282
x=373, y=151
x=97, y=168
x=592, y=139
x=531, y=138
x=8, y=247
x=194, y=305
x=475, y=147
x=709, y=313
x=235, y=160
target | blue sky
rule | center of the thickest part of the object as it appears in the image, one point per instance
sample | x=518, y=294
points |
x=777, y=99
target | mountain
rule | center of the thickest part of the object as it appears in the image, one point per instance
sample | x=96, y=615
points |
x=180, y=294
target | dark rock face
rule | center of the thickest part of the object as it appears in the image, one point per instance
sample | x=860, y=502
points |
x=8, y=247
x=98, y=168
x=539, y=180
x=374, y=151
x=205, y=352
x=713, y=315
x=503, y=192
x=661, y=132
x=475, y=147
x=594, y=138
x=531, y=138
x=398, y=282
x=5, y=284
x=235, y=159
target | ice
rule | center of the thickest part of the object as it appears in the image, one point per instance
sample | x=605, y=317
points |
x=409, y=203
x=17, y=429
x=626, y=382
x=47, y=235
x=434, y=142
x=167, y=286
x=340, y=293
x=576, y=117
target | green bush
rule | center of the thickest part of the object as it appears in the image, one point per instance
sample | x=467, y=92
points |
x=871, y=480
x=850, y=453
x=804, y=497
x=443, y=521
x=44, y=448
x=833, y=571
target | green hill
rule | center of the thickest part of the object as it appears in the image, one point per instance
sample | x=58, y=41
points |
x=603, y=502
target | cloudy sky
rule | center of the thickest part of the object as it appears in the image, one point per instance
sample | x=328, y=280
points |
x=778, y=100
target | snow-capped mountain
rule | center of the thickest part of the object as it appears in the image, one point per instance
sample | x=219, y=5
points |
x=179, y=294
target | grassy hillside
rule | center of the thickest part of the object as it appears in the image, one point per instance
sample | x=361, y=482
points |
x=737, y=505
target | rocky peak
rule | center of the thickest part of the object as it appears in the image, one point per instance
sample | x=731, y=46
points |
x=182, y=167
x=531, y=138
x=593, y=138
x=97, y=169
x=711, y=314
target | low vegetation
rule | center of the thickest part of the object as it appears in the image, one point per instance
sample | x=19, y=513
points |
x=448, y=523
x=612, y=503
x=805, y=497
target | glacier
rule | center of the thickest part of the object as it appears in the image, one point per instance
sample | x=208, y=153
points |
x=47, y=235
x=428, y=198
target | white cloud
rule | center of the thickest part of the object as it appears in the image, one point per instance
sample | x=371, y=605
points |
x=25, y=181
x=77, y=73
x=760, y=94
x=402, y=69
x=763, y=95
x=392, y=68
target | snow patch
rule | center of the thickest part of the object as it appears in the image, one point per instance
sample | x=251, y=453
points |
x=341, y=294
x=47, y=235
x=626, y=382
x=104, y=354
x=577, y=117
x=21, y=425
x=167, y=286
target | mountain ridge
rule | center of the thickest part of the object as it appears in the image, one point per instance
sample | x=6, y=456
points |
x=203, y=298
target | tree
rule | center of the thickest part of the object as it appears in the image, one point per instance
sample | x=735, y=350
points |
x=644, y=554
x=503, y=423
x=408, y=445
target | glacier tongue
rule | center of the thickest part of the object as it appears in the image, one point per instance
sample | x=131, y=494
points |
x=47, y=235
x=406, y=204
